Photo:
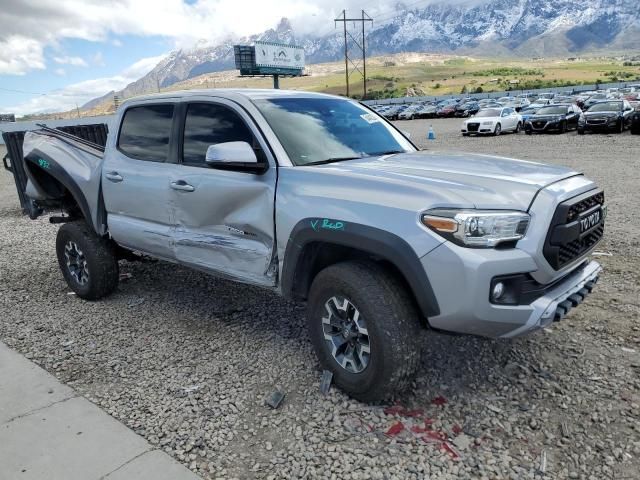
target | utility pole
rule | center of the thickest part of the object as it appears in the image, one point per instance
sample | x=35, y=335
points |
x=361, y=45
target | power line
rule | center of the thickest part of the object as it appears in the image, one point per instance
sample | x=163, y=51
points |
x=361, y=46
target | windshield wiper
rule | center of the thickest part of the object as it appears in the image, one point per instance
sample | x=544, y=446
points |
x=389, y=152
x=332, y=160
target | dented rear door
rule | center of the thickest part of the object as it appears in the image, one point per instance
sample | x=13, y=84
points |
x=224, y=220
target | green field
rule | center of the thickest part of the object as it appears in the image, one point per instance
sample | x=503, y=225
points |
x=416, y=74
x=395, y=77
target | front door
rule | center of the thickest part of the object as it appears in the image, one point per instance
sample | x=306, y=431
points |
x=135, y=180
x=224, y=220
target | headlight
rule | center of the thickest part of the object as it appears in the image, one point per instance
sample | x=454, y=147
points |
x=490, y=122
x=477, y=228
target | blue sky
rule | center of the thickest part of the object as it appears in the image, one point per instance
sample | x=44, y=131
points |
x=74, y=61
x=63, y=52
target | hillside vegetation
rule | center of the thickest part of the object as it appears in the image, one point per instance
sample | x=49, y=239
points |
x=411, y=74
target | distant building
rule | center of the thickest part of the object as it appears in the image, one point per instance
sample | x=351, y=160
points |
x=7, y=117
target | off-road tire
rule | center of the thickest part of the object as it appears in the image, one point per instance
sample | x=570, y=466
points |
x=392, y=322
x=99, y=254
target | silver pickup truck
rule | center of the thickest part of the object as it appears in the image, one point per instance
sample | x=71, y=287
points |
x=322, y=200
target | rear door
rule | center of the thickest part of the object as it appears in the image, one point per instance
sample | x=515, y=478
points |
x=135, y=179
x=224, y=220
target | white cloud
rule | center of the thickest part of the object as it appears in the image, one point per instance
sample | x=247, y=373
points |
x=19, y=54
x=28, y=26
x=79, y=93
x=98, y=60
x=73, y=61
x=60, y=72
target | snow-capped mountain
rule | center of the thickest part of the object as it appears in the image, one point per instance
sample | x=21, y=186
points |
x=482, y=27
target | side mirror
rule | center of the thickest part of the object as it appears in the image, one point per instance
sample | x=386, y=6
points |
x=234, y=156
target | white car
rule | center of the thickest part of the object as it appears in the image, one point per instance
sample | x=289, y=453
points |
x=493, y=121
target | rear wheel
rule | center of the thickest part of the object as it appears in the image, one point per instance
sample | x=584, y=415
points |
x=621, y=126
x=88, y=262
x=518, y=127
x=365, y=330
x=498, y=130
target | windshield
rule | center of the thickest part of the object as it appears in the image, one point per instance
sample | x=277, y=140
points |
x=320, y=130
x=488, y=113
x=552, y=111
x=606, y=107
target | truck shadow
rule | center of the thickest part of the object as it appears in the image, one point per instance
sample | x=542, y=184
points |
x=452, y=365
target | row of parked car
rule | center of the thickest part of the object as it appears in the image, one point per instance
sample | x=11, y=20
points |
x=526, y=104
x=609, y=110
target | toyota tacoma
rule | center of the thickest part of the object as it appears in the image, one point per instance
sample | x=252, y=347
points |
x=321, y=200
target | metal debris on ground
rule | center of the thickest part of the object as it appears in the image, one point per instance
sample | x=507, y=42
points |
x=564, y=428
x=191, y=388
x=275, y=399
x=325, y=383
x=543, y=462
x=602, y=254
x=125, y=276
x=135, y=302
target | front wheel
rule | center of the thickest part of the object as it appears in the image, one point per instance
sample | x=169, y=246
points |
x=563, y=127
x=621, y=127
x=88, y=262
x=365, y=329
x=518, y=127
x=498, y=130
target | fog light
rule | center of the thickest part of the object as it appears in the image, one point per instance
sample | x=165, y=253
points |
x=498, y=291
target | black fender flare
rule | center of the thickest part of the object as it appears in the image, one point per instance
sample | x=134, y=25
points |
x=37, y=159
x=370, y=240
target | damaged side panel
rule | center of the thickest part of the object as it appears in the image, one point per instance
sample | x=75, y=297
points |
x=226, y=224
x=57, y=167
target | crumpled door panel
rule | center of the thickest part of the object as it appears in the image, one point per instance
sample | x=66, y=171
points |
x=226, y=224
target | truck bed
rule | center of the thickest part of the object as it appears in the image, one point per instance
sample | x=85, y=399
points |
x=63, y=173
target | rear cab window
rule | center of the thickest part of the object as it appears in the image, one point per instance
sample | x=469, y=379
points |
x=145, y=132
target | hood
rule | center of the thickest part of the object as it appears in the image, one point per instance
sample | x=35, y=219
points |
x=447, y=179
x=548, y=117
x=608, y=113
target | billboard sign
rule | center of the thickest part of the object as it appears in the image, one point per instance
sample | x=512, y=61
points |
x=280, y=56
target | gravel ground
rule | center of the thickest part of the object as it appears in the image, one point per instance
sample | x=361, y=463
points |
x=187, y=360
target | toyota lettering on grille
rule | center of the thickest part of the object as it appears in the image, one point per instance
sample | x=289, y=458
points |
x=590, y=221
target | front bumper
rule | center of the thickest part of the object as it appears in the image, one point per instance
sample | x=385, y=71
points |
x=461, y=280
x=608, y=124
x=546, y=126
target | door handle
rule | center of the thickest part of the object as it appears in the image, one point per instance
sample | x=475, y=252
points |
x=114, y=177
x=182, y=186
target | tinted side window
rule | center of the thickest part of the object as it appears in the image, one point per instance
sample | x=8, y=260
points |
x=209, y=124
x=145, y=132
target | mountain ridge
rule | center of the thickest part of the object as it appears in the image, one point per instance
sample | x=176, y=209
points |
x=528, y=28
